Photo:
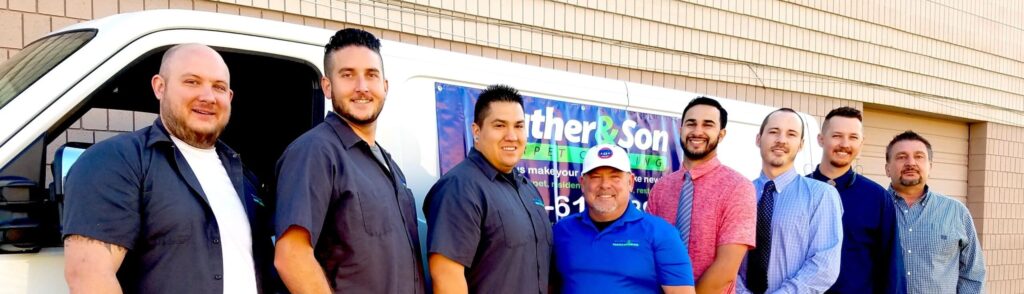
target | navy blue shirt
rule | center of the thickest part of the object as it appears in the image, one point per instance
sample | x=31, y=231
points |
x=492, y=224
x=136, y=191
x=872, y=259
x=638, y=253
x=360, y=215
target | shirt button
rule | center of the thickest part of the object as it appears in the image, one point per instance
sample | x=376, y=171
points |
x=216, y=241
x=218, y=276
x=908, y=251
x=906, y=210
x=908, y=273
x=910, y=230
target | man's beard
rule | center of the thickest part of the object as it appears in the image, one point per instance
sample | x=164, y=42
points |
x=348, y=116
x=177, y=128
x=710, y=145
x=909, y=182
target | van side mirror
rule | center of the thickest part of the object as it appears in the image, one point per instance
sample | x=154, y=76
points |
x=63, y=159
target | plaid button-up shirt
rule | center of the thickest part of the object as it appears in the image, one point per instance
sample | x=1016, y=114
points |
x=941, y=249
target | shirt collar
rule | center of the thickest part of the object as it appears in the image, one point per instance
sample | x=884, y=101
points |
x=924, y=198
x=492, y=173
x=844, y=181
x=781, y=181
x=631, y=214
x=704, y=168
x=157, y=134
x=345, y=133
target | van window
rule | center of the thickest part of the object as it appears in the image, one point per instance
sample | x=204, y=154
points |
x=36, y=60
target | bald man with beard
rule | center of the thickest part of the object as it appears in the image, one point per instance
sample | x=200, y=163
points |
x=168, y=208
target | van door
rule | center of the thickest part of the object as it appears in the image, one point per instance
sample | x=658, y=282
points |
x=276, y=87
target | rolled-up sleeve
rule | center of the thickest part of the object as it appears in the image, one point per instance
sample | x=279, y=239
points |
x=304, y=188
x=103, y=192
x=454, y=217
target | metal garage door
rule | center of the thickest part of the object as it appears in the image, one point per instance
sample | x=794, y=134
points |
x=949, y=143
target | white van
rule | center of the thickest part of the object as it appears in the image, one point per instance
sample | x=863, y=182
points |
x=275, y=68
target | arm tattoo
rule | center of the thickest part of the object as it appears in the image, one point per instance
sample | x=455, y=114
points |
x=111, y=248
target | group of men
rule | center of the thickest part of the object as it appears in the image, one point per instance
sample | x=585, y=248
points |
x=170, y=209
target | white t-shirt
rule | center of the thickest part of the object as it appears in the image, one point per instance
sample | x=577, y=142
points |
x=235, y=234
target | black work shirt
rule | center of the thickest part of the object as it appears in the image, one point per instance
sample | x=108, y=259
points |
x=498, y=230
x=360, y=216
x=136, y=191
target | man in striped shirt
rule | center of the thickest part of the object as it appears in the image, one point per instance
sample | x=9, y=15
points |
x=942, y=253
x=799, y=219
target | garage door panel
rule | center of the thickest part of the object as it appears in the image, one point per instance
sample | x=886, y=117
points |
x=898, y=122
x=881, y=138
x=949, y=141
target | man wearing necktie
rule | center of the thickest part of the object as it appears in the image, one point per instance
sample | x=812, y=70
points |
x=711, y=205
x=799, y=219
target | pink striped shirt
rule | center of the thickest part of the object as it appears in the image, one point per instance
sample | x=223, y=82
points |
x=724, y=210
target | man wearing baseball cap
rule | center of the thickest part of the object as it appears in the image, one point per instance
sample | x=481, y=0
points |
x=613, y=247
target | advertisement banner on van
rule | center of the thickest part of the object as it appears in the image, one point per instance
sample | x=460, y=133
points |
x=558, y=135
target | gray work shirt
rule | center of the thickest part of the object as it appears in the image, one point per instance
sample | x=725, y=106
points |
x=497, y=229
x=136, y=191
x=361, y=217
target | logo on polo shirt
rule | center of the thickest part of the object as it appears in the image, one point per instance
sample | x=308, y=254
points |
x=604, y=153
x=625, y=243
x=538, y=202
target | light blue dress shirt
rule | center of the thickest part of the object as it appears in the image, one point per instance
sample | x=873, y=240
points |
x=807, y=236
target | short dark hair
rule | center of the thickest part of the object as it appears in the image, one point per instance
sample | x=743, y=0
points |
x=907, y=136
x=494, y=93
x=723, y=116
x=350, y=37
x=845, y=111
x=784, y=109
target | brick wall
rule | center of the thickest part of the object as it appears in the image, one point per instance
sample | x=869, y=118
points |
x=996, y=184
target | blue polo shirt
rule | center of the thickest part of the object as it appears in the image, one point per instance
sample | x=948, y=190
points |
x=872, y=259
x=136, y=191
x=638, y=253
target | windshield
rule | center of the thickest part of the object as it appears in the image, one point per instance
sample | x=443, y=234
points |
x=36, y=60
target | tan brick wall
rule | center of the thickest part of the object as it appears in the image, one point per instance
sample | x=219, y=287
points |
x=950, y=62
x=996, y=185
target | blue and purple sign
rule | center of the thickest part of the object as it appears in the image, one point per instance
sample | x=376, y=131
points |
x=558, y=136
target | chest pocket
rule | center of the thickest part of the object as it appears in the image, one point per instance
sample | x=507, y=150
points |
x=169, y=214
x=379, y=211
x=941, y=240
x=515, y=223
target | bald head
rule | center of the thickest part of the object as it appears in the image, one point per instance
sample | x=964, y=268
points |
x=174, y=56
x=194, y=93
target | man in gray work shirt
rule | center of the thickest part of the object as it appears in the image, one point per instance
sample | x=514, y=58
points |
x=488, y=231
x=345, y=219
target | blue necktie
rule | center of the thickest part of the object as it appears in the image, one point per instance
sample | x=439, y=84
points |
x=757, y=264
x=685, y=209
